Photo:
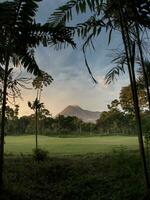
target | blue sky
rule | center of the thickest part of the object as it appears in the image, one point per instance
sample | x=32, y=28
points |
x=72, y=83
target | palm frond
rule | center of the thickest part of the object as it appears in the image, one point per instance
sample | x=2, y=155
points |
x=64, y=13
x=28, y=61
x=7, y=13
x=120, y=61
x=26, y=11
x=46, y=35
x=61, y=36
x=89, y=40
x=92, y=26
x=43, y=80
x=114, y=73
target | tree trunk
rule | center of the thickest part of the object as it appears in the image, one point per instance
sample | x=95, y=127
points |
x=36, y=128
x=3, y=122
x=139, y=43
x=139, y=129
x=130, y=63
x=143, y=64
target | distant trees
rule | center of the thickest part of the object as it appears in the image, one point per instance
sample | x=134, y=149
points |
x=113, y=121
x=120, y=116
x=126, y=100
x=12, y=119
x=47, y=125
x=67, y=124
x=119, y=119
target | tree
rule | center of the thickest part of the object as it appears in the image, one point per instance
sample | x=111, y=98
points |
x=125, y=16
x=44, y=115
x=20, y=35
x=36, y=106
x=44, y=79
x=113, y=120
x=12, y=119
x=126, y=100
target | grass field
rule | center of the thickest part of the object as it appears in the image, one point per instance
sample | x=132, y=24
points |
x=113, y=176
x=116, y=175
x=69, y=146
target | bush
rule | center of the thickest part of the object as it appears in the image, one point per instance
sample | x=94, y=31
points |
x=40, y=154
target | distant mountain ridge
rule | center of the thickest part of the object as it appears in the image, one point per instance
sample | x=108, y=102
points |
x=77, y=111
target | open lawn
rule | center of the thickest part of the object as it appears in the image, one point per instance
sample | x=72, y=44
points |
x=69, y=146
x=117, y=175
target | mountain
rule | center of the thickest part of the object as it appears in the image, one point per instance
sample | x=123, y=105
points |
x=85, y=115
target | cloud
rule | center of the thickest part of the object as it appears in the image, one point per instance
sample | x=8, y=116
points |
x=72, y=83
x=101, y=82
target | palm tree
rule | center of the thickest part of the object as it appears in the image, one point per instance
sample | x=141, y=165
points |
x=123, y=16
x=44, y=79
x=36, y=106
x=20, y=35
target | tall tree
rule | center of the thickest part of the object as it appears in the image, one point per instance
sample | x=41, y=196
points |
x=36, y=106
x=44, y=79
x=20, y=35
x=126, y=100
x=122, y=15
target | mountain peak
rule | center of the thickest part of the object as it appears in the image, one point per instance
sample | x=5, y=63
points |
x=77, y=111
x=74, y=106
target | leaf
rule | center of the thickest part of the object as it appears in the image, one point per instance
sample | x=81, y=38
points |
x=86, y=62
x=110, y=33
x=29, y=63
x=111, y=75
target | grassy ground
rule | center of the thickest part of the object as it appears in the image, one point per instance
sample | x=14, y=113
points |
x=114, y=176
x=69, y=146
x=105, y=175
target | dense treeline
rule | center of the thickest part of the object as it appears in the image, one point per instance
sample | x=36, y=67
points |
x=118, y=119
x=46, y=124
x=49, y=126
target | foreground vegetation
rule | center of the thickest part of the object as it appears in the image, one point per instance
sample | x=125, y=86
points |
x=115, y=176
x=69, y=145
x=21, y=35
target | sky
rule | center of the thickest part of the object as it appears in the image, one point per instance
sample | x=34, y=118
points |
x=72, y=84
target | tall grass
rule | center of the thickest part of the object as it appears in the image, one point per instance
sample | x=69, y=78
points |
x=115, y=176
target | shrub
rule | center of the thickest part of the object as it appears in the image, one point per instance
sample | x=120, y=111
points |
x=40, y=154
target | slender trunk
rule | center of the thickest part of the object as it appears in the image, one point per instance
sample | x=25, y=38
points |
x=130, y=63
x=143, y=64
x=139, y=128
x=80, y=128
x=147, y=151
x=36, y=129
x=137, y=109
x=36, y=121
x=3, y=122
x=139, y=43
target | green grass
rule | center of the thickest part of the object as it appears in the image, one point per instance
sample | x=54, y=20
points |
x=106, y=175
x=69, y=146
x=114, y=176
